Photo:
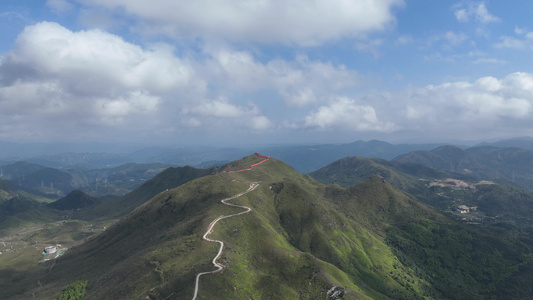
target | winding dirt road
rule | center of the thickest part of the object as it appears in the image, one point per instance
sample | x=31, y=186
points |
x=217, y=265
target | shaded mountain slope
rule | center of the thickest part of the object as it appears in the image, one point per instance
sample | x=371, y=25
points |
x=23, y=211
x=42, y=180
x=525, y=142
x=7, y=191
x=301, y=240
x=19, y=208
x=74, y=200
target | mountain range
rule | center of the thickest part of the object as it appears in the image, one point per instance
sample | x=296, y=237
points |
x=379, y=236
x=506, y=165
x=57, y=182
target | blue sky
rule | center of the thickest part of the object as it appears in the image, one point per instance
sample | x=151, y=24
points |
x=265, y=71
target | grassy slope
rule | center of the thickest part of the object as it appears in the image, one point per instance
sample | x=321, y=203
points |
x=453, y=257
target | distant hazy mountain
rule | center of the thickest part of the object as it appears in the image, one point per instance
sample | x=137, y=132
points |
x=57, y=182
x=21, y=151
x=505, y=165
x=310, y=158
x=80, y=160
x=517, y=142
x=168, y=179
x=304, y=158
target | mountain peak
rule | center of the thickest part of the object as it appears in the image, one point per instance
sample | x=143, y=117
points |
x=74, y=200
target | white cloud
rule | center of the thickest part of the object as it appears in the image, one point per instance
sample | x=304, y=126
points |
x=448, y=39
x=405, y=39
x=455, y=38
x=345, y=113
x=478, y=11
x=300, y=22
x=461, y=15
x=223, y=114
x=299, y=82
x=59, y=6
x=486, y=103
x=99, y=18
x=483, y=15
x=87, y=77
x=371, y=46
x=523, y=41
x=95, y=59
x=519, y=30
x=138, y=102
x=489, y=61
x=21, y=97
x=261, y=123
x=511, y=43
x=220, y=108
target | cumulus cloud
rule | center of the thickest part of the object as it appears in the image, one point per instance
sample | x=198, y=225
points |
x=511, y=43
x=464, y=107
x=299, y=22
x=524, y=41
x=405, y=39
x=222, y=112
x=86, y=77
x=299, y=82
x=59, y=6
x=221, y=108
x=137, y=102
x=94, y=78
x=489, y=61
x=346, y=113
x=482, y=108
x=478, y=11
x=95, y=60
x=370, y=46
x=450, y=39
x=260, y=123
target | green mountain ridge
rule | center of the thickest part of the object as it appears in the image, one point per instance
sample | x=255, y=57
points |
x=497, y=213
x=461, y=196
x=505, y=165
